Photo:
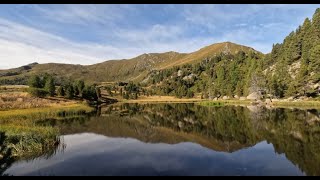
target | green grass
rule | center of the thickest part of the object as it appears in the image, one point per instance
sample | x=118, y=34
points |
x=28, y=141
x=313, y=103
x=224, y=102
x=25, y=137
x=287, y=104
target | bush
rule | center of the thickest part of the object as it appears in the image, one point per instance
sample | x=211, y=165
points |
x=38, y=92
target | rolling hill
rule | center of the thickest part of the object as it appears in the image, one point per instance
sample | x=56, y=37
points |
x=135, y=69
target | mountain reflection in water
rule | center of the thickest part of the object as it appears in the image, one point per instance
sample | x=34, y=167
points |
x=183, y=139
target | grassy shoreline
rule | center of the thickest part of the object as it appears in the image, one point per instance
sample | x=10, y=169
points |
x=281, y=103
x=297, y=104
x=275, y=104
x=25, y=137
x=161, y=99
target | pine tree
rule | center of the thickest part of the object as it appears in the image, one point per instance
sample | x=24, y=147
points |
x=316, y=27
x=69, y=92
x=50, y=86
x=307, y=40
x=314, y=64
x=61, y=91
x=80, y=86
x=75, y=88
x=35, y=82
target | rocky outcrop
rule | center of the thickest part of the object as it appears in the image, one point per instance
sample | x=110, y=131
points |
x=225, y=97
x=188, y=77
x=254, y=96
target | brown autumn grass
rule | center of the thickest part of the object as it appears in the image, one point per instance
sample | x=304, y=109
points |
x=206, y=52
x=162, y=99
x=22, y=100
x=13, y=88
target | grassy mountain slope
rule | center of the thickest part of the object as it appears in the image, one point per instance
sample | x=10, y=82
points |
x=209, y=51
x=135, y=69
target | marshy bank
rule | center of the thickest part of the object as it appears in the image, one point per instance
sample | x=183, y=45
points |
x=24, y=136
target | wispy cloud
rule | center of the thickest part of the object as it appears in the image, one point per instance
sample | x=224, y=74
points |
x=87, y=34
x=83, y=13
x=20, y=45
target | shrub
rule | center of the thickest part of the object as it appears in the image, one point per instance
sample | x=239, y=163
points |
x=38, y=92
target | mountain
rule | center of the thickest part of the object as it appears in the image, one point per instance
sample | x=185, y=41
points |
x=210, y=51
x=135, y=69
x=293, y=66
x=291, y=69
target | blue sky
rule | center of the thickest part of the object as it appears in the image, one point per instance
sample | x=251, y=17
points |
x=88, y=34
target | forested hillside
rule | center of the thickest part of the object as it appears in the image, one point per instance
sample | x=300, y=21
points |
x=292, y=69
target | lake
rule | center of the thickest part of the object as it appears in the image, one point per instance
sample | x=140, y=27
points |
x=182, y=139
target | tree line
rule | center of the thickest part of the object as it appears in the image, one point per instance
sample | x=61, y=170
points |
x=41, y=86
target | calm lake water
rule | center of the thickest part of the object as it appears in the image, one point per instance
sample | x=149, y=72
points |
x=182, y=139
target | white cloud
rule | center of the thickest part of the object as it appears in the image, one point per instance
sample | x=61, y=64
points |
x=20, y=45
x=83, y=13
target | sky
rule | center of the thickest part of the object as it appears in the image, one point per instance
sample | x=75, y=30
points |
x=88, y=34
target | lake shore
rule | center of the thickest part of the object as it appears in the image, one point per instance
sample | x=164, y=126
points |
x=160, y=99
x=19, y=113
x=312, y=103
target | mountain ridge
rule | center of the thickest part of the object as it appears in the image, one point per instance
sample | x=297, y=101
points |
x=135, y=68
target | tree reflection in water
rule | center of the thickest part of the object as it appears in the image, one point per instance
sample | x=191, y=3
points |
x=6, y=158
x=293, y=132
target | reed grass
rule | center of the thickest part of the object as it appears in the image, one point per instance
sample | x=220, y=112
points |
x=27, y=141
x=25, y=137
x=43, y=113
